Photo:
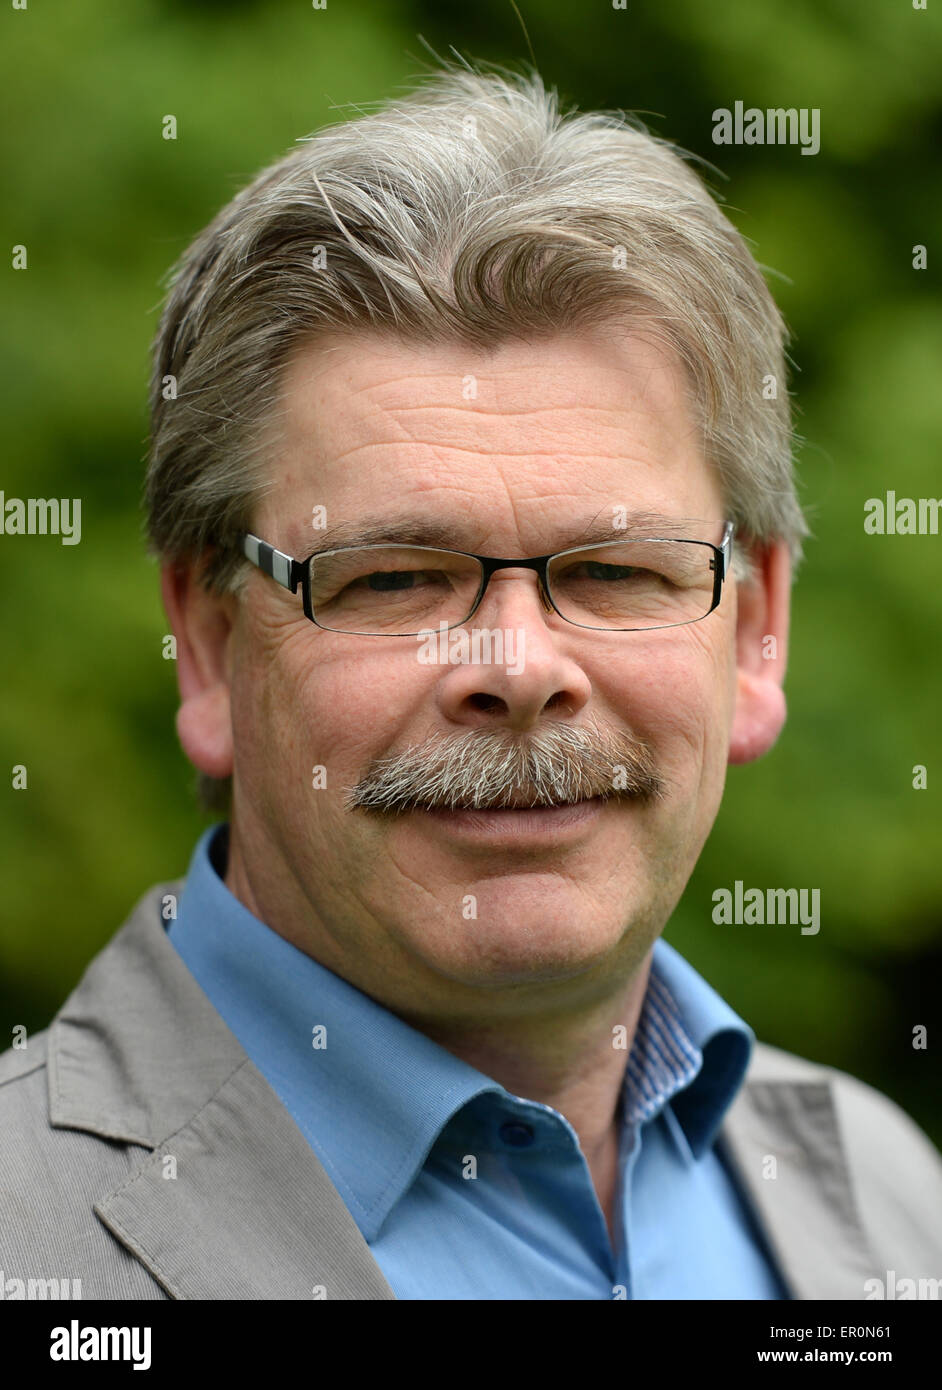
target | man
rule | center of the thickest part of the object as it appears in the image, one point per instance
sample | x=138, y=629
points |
x=477, y=526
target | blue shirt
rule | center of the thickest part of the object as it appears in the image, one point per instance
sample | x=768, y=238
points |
x=461, y=1189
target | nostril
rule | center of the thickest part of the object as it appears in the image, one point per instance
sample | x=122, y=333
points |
x=481, y=700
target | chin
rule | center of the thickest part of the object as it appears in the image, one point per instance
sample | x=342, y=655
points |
x=509, y=947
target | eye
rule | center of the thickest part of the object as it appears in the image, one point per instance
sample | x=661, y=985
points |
x=599, y=572
x=382, y=580
x=391, y=581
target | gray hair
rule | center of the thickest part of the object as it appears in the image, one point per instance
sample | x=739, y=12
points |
x=468, y=211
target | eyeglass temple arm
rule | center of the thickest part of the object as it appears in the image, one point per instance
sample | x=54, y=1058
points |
x=725, y=547
x=282, y=568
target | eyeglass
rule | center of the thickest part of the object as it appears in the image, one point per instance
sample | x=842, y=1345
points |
x=408, y=590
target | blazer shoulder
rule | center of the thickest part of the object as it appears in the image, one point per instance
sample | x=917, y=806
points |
x=24, y=1109
x=19, y=1062
x=895, y=1169
x=865, y=1112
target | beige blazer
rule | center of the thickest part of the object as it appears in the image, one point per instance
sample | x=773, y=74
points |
x=138, y=1078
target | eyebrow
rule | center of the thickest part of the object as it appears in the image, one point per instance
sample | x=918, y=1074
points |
x=442, y=535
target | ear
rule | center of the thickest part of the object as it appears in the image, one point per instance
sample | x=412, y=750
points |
x=202, y=624
x=761, y=653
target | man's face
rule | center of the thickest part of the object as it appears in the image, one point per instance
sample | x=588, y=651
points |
x=422, y=910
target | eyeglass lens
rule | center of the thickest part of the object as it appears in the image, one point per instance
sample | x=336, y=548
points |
x=403, y=590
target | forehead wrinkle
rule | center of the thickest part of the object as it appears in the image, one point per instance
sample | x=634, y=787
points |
x=392, y=398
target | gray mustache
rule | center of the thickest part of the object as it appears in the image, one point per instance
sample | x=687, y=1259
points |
x=556, y=765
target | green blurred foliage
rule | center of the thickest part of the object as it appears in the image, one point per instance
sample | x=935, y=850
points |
x=105, y=205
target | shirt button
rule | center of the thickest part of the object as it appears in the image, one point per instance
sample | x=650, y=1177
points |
x=517, y=1135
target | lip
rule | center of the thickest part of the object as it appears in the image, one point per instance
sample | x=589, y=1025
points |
x=526, y=823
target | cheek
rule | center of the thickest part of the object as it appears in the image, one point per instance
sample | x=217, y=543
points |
x=671, y=687
x=272, y=710
x=675, y=689
x=311, y=699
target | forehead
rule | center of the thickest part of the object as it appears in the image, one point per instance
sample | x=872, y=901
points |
x=527, y=440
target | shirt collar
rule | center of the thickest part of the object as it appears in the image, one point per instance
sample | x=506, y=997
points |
x=318, y=1040
x=690, y=1049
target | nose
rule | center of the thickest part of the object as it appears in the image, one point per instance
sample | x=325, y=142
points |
x=510, y=667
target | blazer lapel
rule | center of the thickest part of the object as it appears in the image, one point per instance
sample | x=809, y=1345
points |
x=228, y=1200
x=236, y=1205
x=784, y=1142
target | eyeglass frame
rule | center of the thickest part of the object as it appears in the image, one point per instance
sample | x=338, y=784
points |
x=289, y=573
